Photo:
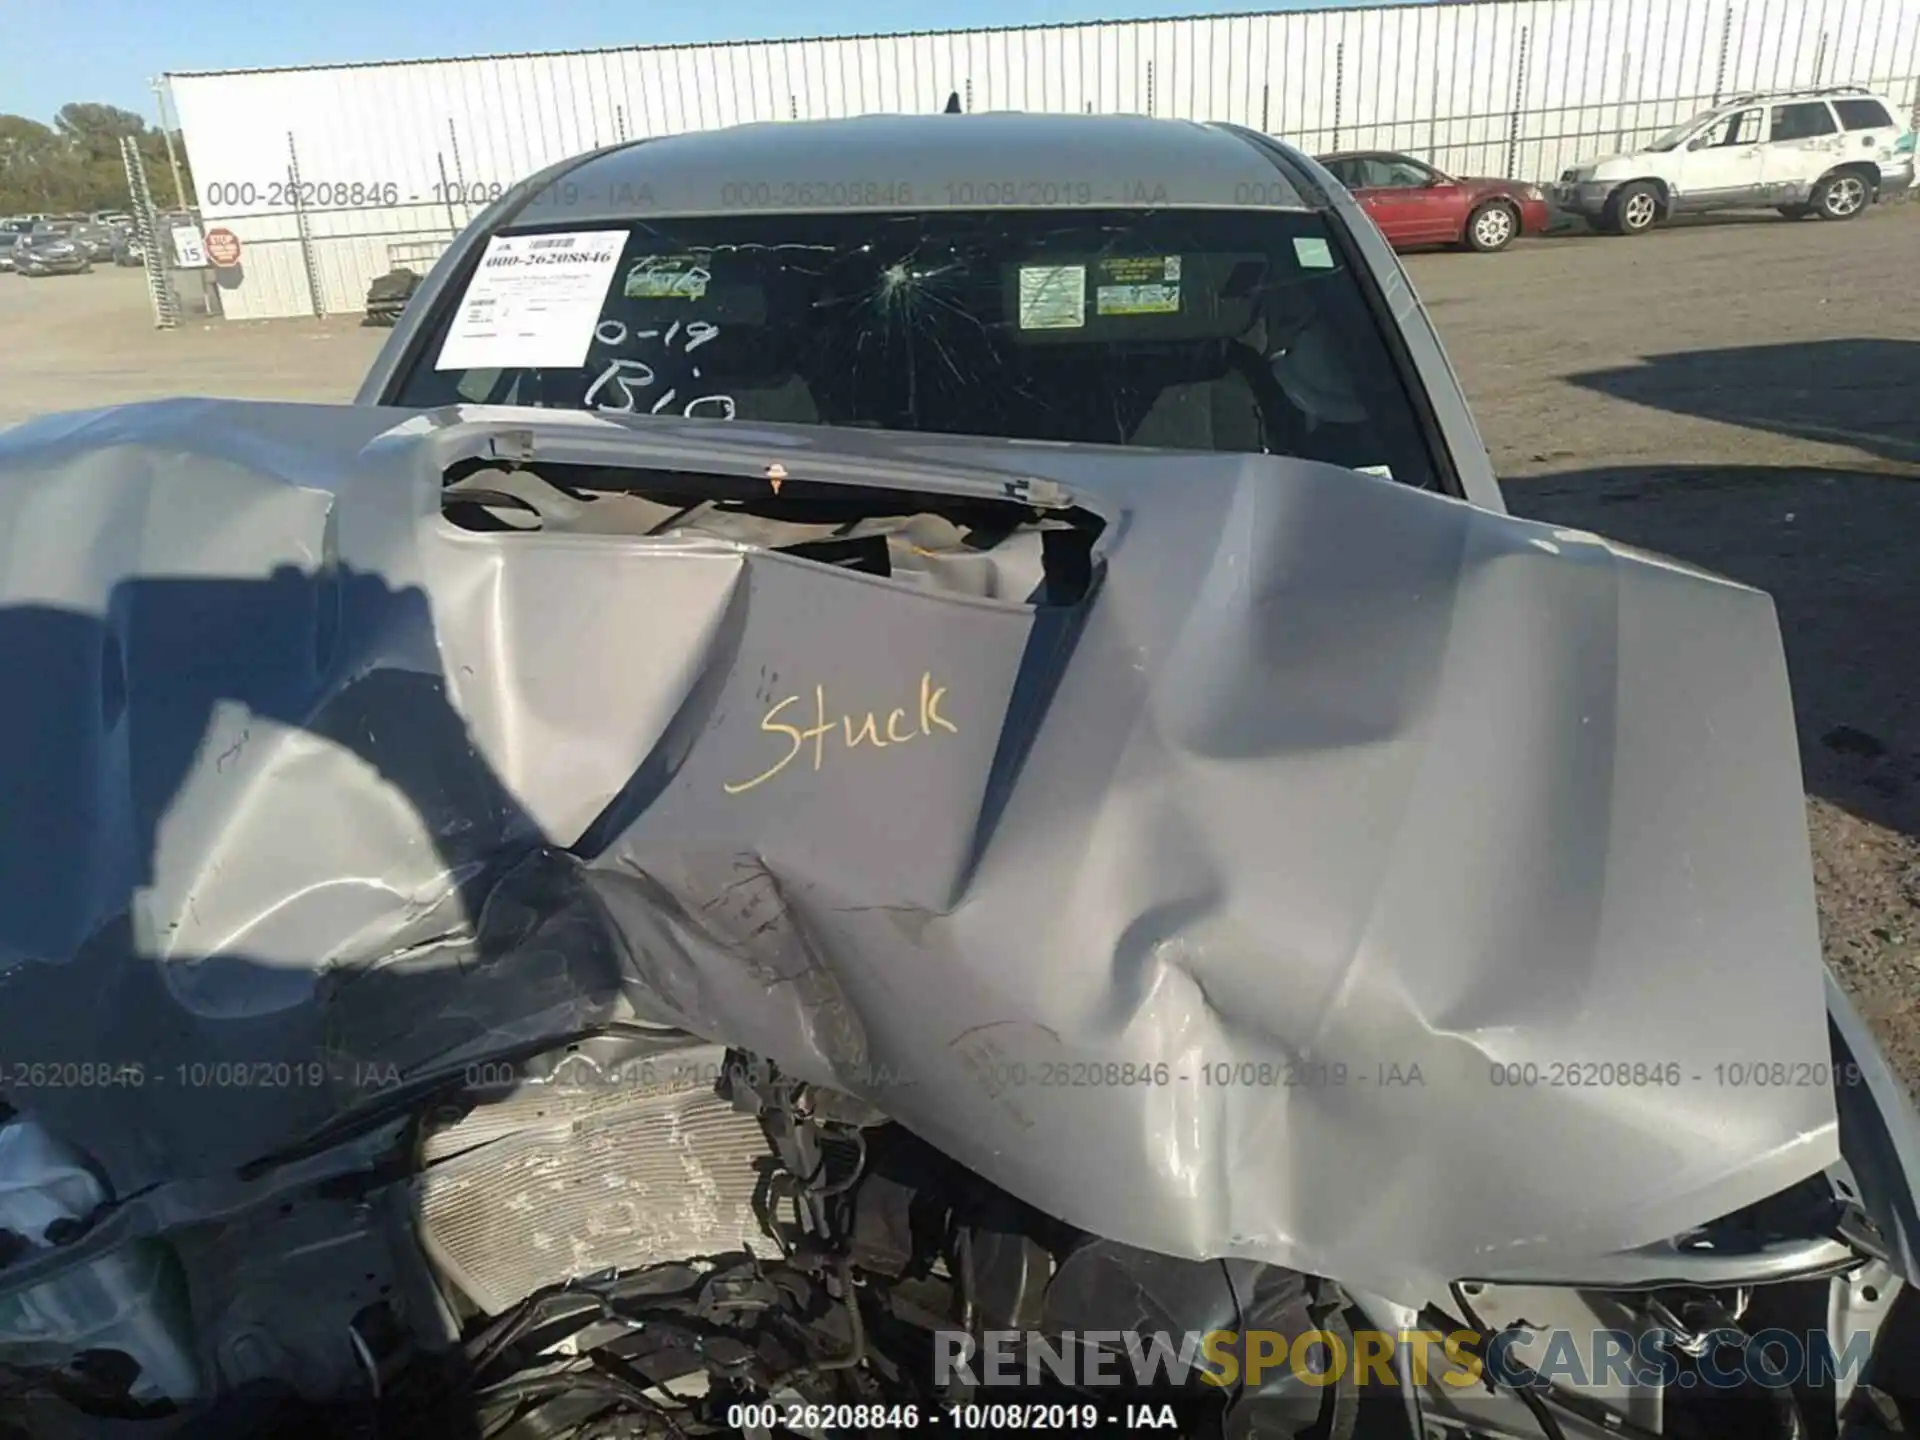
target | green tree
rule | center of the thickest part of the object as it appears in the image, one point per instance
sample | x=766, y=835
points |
x=33, y=165
x=96, y=130
x=74, y=164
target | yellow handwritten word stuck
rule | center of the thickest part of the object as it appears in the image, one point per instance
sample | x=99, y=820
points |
x=854, y=730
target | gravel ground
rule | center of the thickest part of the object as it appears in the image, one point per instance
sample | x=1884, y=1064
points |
x=73, y=342
x=1743, y=393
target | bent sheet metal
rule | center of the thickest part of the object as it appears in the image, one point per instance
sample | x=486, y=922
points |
x=1198, y=912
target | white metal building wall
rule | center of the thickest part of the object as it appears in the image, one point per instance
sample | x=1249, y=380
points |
x=302, y=164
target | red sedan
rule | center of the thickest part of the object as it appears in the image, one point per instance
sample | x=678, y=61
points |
x=1415, y=204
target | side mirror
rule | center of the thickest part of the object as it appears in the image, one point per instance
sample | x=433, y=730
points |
x=1699, y=142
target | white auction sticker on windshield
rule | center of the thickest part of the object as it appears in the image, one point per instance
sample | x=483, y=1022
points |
x=1053, y=297
x=533, y=302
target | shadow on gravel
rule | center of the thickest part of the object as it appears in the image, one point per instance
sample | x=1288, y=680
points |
x=1844, y=392
x=1835, y=548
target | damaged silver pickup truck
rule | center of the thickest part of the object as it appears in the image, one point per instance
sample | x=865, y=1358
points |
x=893, y=766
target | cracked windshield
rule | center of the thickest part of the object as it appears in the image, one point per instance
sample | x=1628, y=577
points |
x=1224, y=332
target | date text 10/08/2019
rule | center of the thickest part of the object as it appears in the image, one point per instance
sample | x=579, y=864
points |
x=997, y=1072
x=528, y=198
x=967, y=1417
x=286, y=193
x=27, y=1075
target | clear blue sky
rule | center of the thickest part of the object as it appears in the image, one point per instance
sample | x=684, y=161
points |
x=107, y=50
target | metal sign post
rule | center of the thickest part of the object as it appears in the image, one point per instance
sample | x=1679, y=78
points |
x=166, y=132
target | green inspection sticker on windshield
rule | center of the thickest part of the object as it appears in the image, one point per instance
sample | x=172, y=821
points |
x=1137, y=300
x=1149, y=285
x=667, y=277
x=1053, y=297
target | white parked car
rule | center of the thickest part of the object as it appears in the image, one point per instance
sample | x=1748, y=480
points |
x=1830, y=153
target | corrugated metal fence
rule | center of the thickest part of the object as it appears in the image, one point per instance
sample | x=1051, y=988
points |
x=330, y=176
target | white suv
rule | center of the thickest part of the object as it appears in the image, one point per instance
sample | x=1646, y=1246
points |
x=1829, y=153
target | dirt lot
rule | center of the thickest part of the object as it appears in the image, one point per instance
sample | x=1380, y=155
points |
x=1744, y=394
x=73, y=342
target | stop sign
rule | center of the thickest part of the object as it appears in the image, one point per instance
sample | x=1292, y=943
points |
x=223, y=248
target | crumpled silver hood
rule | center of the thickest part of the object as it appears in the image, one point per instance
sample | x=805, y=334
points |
x=1333, y=797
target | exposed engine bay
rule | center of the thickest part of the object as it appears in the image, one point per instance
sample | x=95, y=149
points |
x=573, y=929
x=639, y=1235
x=648, y=1206
x=989, y=549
